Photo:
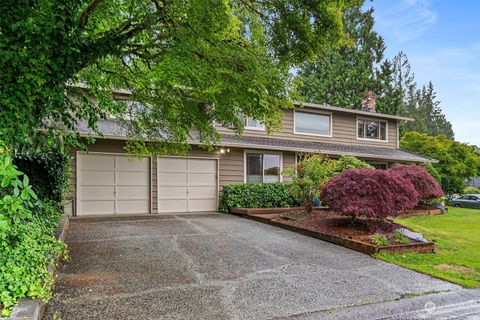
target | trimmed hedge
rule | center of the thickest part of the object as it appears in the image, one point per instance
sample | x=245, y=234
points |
x=257, y=195
x=48, y=173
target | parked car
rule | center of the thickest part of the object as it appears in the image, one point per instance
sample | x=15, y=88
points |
x=467, y=201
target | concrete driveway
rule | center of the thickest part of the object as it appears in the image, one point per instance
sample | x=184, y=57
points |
x=214, y=266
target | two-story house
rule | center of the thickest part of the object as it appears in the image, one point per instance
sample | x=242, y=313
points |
x=107, y=181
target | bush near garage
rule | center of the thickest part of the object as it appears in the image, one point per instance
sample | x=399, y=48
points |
x=257, y=195
x=48, y=172
x=471, y=190
x=369, y=193
x=28, y=246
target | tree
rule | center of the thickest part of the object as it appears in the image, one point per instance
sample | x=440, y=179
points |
x=457, y=161
x=313, y=171
x=426, y=111
x=369, y=193
x=186, y=63
x=341, y=75
x=422, y=181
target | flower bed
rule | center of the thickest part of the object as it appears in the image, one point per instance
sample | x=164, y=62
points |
x=329, y=226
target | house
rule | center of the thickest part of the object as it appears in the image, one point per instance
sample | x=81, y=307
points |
x=107, y=181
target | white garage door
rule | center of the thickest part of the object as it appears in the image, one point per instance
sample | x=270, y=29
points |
x=187, y=185
x=112, y=184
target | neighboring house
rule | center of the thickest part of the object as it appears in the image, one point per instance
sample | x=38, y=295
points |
x=107, y=181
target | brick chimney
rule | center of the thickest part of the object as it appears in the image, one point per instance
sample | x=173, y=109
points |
x=368, y=101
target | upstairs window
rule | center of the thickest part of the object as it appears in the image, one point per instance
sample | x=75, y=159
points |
x=313, y=123
x=262, y=167
x=252, y=124
x=371, y=129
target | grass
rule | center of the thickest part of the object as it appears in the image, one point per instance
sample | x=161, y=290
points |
x=457, y=241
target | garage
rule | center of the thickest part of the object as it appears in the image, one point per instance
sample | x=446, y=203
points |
x=187, y=185
x=112, y=184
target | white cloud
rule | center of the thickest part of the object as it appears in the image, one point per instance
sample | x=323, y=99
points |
x=405, y=19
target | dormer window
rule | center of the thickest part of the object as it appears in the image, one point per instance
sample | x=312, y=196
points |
x=371, y=129
x=252, y=124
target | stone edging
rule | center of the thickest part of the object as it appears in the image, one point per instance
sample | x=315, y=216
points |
x=33, y=309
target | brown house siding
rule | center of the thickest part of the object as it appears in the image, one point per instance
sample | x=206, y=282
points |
x=343, y=125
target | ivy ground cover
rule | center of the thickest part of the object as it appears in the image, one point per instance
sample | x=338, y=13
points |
x=457, y=243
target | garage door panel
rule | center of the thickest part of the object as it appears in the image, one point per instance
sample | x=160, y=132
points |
x=132, y=206
x=133, y=192
x=202, y=166
x=169, y=205
x=172, y=165
x=172, y=179
x=202, y=179
x=97, y=192
x=97, y=207
x=203, y=205
x=172, y=192
x=98, y=162
x=132, y=164
x=202, y=192
x=97, y=178
x=110, y=184
x=132, y=178
x=187, y=185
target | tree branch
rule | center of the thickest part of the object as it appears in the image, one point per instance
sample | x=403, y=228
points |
x=86, y=14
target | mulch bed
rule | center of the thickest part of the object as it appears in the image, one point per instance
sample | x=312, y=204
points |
x=331, y=223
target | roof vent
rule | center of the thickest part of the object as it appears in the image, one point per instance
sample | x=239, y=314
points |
x=368, y=101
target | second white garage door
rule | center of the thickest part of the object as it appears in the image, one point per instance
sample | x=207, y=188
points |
x=187, y=185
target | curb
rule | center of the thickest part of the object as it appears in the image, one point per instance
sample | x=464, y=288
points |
x=33, y=309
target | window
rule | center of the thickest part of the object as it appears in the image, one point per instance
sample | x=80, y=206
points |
x=262, y=167
x=251, y=123
x=312, y=123
x=371, y=129
x=379, y=166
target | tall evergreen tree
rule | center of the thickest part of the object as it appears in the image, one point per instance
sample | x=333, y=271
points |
x=340, y=76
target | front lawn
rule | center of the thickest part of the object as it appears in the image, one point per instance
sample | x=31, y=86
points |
x=457, y=241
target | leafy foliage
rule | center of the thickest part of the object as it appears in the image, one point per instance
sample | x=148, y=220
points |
x=457, y=161
x=421, y=180
x=400, y=238
x=27, y=242
x=369, y=193
x=257, y=195
x=48, y=173
x=471, y=190
x=313, y=171
x=379, y=239
x=186, y=64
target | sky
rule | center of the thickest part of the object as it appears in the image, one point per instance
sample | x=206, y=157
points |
x=442, y=41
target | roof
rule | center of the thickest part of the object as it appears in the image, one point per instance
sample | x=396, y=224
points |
x=112, y=130
x=354, y=111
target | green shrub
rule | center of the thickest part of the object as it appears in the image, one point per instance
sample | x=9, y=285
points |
x=48, y=172
x=310, y=174
x=27, y=242
x=471, y=190
x=400, y=238
x=257, y=195
x=379, y=239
